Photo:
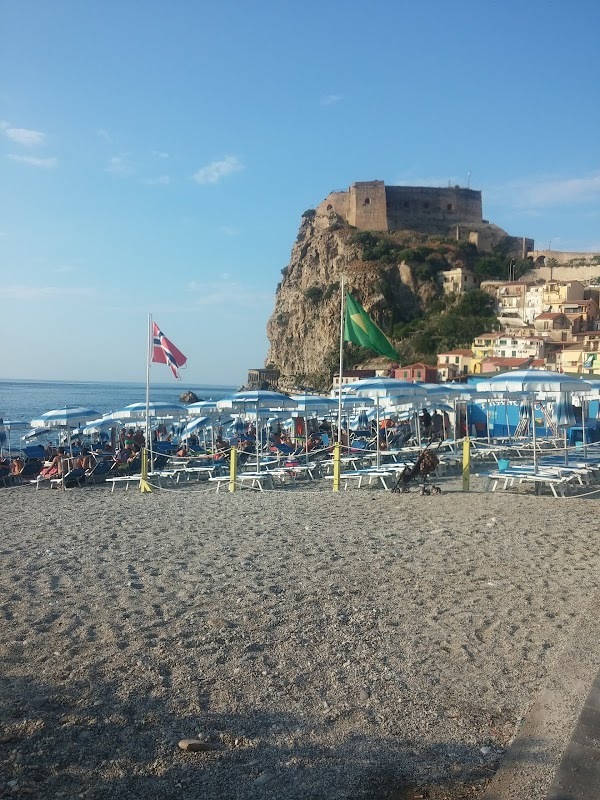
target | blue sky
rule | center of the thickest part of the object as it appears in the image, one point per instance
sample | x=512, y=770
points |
x=157, y=156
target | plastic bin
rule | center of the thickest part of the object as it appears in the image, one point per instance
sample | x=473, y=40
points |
x=503, y=464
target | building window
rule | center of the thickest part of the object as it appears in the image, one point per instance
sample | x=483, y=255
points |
x=367, y=201
x=447, y=359
x=457, y=359
x=514, y=353
x=449, y=207
x=419, y=374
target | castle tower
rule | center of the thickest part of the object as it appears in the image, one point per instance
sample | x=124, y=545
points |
x=367, y=206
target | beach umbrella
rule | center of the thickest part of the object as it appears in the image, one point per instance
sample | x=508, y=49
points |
x=564, y=417
x=194, y=425
x=11, y=425
x=562, y=412
x=532, y=382
x=312, y=404
x=68, y=417
x=385, y=387
x=254, y=401
x=389, y=389
x=99, y=425
x=362, y=421
x=158, y=409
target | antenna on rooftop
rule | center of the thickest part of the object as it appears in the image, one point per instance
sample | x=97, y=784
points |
x=469, y=179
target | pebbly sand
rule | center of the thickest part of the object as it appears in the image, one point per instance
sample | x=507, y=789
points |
x=359, y=645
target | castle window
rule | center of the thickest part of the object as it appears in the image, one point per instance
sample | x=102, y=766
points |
x=329, y=207
x=449, y=207
x=367, y=201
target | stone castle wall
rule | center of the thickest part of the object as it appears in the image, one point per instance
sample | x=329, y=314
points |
x=584, y=267
x=371, y=205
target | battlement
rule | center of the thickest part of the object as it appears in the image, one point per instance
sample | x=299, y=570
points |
x=371, y=205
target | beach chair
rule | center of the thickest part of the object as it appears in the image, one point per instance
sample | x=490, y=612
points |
x=98, y=473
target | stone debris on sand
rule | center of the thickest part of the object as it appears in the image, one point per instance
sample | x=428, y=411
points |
x=304, y=644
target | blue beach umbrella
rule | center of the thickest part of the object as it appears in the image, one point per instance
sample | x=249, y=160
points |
x=67, y=417
x=532, y=382
x=158, y=409
x=254, y=401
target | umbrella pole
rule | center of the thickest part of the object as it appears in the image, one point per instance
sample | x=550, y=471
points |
x=487, y=419
x=535, y=458
x=377, y=412
x=257, y=441
x=583, y=431
x=306, y=434
x=507, y=422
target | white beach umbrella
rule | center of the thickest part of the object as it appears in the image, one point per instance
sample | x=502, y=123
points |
x=254, y=401
x=67, y=417
x=159, y=409
x=532, y=382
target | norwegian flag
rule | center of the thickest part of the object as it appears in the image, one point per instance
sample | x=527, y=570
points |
x=165, y=352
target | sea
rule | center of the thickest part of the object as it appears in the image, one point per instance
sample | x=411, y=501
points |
x=24, y=400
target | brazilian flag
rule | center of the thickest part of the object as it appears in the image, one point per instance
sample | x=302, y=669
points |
x=360, y=329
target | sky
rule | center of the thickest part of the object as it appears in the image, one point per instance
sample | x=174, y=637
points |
x=156, y=157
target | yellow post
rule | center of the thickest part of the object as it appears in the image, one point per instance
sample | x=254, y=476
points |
x=144, y=485
x=337, y=452
x=232, y=468
x=466, y=464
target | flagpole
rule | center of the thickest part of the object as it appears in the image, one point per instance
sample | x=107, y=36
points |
x=144, y=485
x=148, y=359
x=337, y=448
x=341, y=365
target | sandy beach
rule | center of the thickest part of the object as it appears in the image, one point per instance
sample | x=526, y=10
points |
x=358, y=645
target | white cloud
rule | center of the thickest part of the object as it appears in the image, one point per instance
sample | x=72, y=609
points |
x=22, y=292
x=161, y=180
x=32, y=161
x=227, y=292
x=159, y=154
x=23, y=136
x=104, y=134
x=330, y=99
x=213, y=172
x=119, y=165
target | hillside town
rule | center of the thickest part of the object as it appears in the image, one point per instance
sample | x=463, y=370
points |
x=545, y=325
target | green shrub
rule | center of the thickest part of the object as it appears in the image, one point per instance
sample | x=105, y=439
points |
x=309, y=213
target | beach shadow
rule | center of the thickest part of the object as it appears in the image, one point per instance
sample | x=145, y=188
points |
x=59, y=741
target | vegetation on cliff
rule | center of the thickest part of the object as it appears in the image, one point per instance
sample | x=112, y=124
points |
x=396, y=276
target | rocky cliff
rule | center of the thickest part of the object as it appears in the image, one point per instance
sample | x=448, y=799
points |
x=304, y=328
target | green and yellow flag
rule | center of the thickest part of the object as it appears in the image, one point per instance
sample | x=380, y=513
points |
x=360, y=329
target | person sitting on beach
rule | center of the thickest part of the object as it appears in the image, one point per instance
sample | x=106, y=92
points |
x=129, y=441
x=54, y=468
x=86, y=461
x=183, y=451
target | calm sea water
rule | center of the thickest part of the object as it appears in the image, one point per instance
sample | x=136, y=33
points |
x=25, y=400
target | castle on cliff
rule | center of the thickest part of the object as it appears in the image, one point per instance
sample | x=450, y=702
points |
x=447, y=211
